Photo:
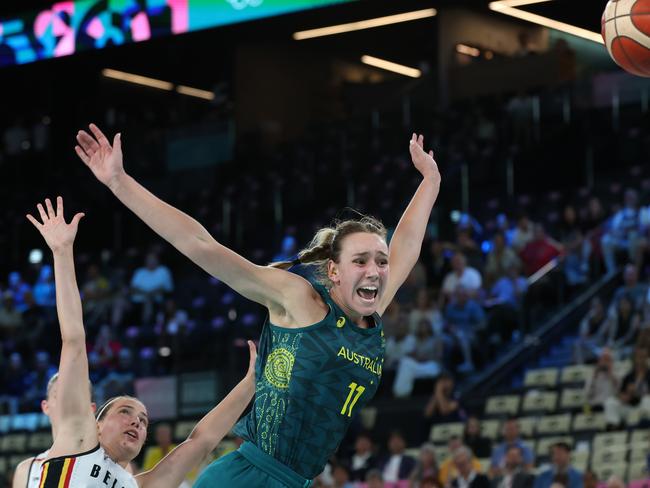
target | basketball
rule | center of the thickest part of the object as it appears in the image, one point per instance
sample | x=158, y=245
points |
x=625, y=27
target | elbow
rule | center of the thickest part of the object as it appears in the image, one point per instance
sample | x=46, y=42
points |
x=74, y=341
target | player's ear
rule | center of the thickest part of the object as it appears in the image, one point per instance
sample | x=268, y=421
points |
x=333, y=271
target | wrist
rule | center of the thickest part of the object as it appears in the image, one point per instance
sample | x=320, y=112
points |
x=62, y=251
x=117, y=181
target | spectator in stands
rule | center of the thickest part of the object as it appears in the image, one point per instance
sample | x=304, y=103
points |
x=442, y=405
x=510, y=438
x=374, y=479
x=631, y=288
x=464, y=319
x=513, y=474
x=341, y=476
x=14, y=381
x=426, y=467
x=106, y=346
x=472, y=438
x=460, y=275
x=589, y=479
x=149, y=286
x=96, y=292
x=18, y=288
x=422, y=362
x=363, y=458
x=623, y=233
x=504, y=303
x=622, y=325
x=561, y=467
x=163, y=446
x=539, y=251
x=591, y=338
x=34, y=322
x=436, y=262
x=44, y=291
x=577, y=248
x=448, y=470
x=425, y=308
x=468, y=477
x=397, y=465
x=11, y=319
x=634, y=391
x=523, y=233
x=399, y=345
x=499, y=259
x=603, y=383
x=467, y=245
x=38, y=380
x=120, y=380
x=615, y=482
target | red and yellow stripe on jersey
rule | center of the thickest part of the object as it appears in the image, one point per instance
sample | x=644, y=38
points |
x=57, y=473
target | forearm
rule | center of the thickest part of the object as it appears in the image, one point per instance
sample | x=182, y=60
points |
x=176, y=227
x=68, y=300
x=409, y=234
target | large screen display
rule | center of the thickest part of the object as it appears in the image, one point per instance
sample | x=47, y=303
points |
x=71, y=26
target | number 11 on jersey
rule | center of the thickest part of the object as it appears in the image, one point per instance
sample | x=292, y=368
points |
x=349, y=405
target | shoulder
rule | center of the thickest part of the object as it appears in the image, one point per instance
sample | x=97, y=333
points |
x=22, y=471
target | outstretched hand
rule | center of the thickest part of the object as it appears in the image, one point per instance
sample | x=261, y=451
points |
x=57, y=234
x=424, y=162
x=250, y=374
x=104, y=160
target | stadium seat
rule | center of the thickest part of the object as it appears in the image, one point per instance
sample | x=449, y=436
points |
x=485, y=464
x=572, y=398
x=491, y=429
x=544, y=444
x=414, y=452
x=621, y=368
x=546, y=377
x=607, y=456
x=554, y=424
x=442, y=432
x=604, y=471
x=527, y=426
x=540, y=401
x=577, y=374
x=503, y=405
x=3, y=465
x=183, y=429
x=640, y=437
x=39, y=441
x=13, y=443
x=637, y=471
x=633, y=417
x=639, y=454
x=586, y=422
x=609, y=440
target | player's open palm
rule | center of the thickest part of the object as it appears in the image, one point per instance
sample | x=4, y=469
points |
x=96, y=152
x=422, y=160
x=57, y=233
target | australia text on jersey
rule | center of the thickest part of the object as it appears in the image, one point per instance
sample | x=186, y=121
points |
x=373, y=365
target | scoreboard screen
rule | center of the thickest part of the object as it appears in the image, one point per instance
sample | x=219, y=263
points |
x=68, y=27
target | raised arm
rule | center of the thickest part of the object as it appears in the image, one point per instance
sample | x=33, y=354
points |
x=264, y=285
x=76, y=425
x=172, y=469
x=406, y=243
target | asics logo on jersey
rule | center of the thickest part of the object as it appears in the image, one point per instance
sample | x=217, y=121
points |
x=340, y=322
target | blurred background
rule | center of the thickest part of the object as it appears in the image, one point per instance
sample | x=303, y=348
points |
x=525, y=322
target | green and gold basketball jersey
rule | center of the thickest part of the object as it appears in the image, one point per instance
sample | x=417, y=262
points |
x=310, y=383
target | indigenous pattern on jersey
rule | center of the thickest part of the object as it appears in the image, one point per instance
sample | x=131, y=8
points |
x=34, y=474
x=310, y=383
x=90, y=469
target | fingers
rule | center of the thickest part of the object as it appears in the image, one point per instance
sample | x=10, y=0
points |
x=76, y=219
x=41, y=212
x=87, y=142
x=117, y=142
x=35, y=222
x=50, y=209
x=421, y=141
x=59, y=206
x=431, y=153
x=101, y=138
x=82, y=154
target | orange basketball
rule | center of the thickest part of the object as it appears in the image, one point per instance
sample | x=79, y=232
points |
x=625, y=27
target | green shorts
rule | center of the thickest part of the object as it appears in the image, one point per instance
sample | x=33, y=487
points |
x=250, y=467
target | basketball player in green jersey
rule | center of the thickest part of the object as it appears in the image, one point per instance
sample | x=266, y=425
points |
x=321, y=352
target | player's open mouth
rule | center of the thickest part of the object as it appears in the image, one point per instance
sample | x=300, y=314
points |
x=368, y=293
x=132, y=434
